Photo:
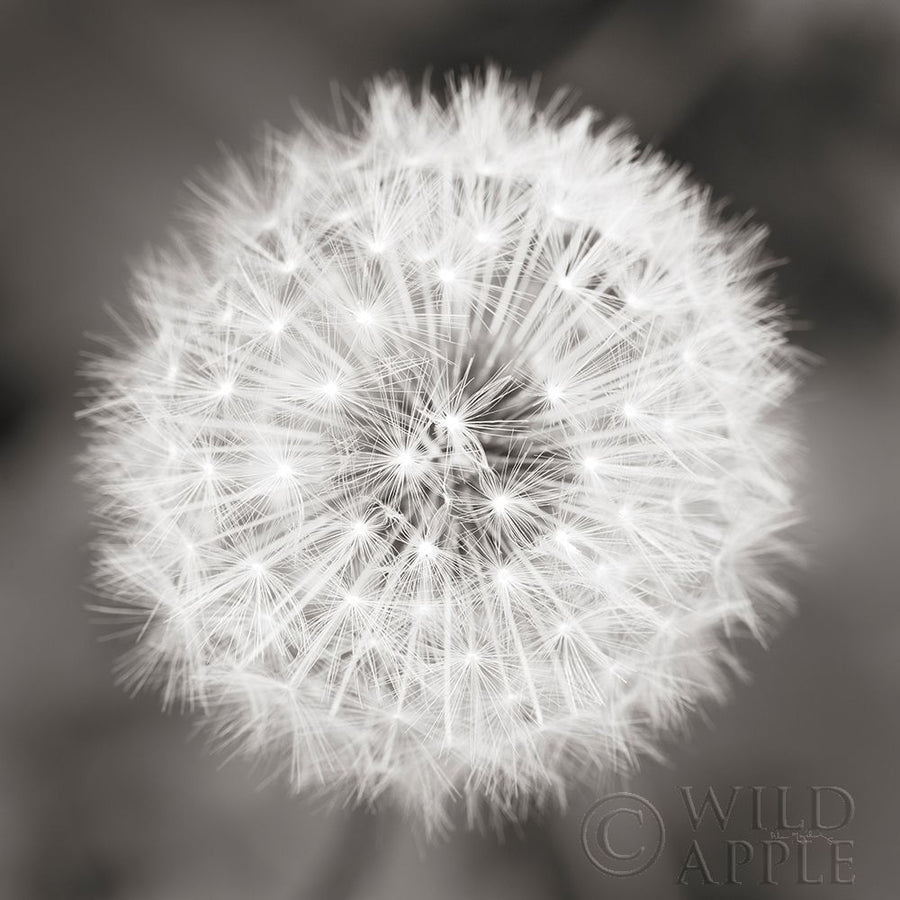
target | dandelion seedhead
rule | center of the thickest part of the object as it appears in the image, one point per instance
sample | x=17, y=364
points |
x=441, y=461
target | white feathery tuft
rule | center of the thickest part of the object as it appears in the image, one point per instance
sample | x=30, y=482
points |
x=443, y=458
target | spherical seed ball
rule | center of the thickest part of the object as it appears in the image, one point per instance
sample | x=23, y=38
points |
x=441, y=460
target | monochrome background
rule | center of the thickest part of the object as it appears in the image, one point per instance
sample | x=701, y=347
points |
x=790, y=109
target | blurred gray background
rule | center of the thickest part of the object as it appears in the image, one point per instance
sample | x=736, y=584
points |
x=789, y=108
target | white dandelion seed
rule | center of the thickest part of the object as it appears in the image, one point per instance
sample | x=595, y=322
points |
x=444, y=455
